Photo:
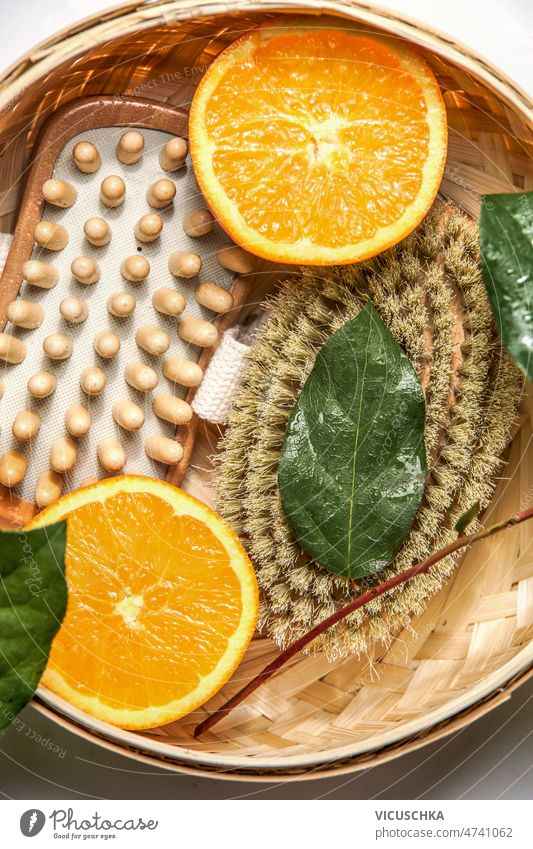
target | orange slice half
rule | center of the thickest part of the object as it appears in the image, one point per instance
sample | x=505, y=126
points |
x=162, y=602
x=315, y=143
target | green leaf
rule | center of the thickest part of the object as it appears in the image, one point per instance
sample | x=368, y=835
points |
x=33, y=600
x=467, y=518
x=506, y=241
x=353, y=464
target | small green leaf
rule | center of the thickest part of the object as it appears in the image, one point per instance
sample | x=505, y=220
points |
x=353, y=464
x=33, y=599
x=506, y=241
x=467, y=518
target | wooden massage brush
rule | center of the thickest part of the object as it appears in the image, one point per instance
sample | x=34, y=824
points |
x=116, y=288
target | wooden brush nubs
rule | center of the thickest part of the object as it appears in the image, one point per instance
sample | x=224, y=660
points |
x=214, y=298
x=25, y=314
x=161, y=193
x=173, y=154
x=85, y=269
x=172, y=409
x=12, y=350
x=198, y=223
x=152, y=340
x=163, y=450
x=111, y=455
x=140, y=377
x=57, y=346
x=26, y=425
x=86, y=157
x=97, y=231
x=168, y=301
x=236, y=259
x=130, y=147
x=135, y=268
x=121, y=304
x=149, y=227
x=59, y=193
x=184, y=264
x=40, y=274
x=77, y=420
x=92, y=380
x=63, y=455
x=112, y=191
x=73, y=309
x=185, y=372
x=13, y=467
x=51, y=236
x=127, y=415
x=196, y=331
x=48, y=489
x=106, y=344
x=42, y=384
x=165, y=408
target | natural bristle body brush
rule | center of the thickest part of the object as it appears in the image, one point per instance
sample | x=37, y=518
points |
x=429, y=292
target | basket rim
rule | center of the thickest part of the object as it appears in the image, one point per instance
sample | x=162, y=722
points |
x=34, y=62
x=130, y=739
x=119, y=21
x=377, y=757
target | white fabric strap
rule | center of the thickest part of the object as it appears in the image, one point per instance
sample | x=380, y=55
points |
x=216, y=393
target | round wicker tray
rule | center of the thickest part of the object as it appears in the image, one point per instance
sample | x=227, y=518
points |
x=473, y=644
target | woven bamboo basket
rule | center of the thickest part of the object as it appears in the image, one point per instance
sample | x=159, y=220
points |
x=473, y=644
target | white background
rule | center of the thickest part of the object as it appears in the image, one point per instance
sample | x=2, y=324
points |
x=186, y=825
x=491, y=759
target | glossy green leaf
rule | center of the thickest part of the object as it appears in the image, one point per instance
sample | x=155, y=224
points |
x=353, y=464
x=506, y=241
x=467, y=518
x=33, y=599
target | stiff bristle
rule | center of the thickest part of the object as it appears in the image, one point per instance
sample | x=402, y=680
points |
x=428, y=291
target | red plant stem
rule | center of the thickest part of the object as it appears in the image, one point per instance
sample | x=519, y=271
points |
x=419, y=569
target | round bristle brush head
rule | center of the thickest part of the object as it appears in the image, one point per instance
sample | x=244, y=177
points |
x=428, y=291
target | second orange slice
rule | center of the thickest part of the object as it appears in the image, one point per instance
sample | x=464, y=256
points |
x=162, y=602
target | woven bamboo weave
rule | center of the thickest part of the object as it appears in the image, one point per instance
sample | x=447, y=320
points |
x=473, y=642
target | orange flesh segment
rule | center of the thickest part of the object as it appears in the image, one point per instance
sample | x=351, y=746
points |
x=318, y=138
x=323, y=145
x=162, y=602
x=136, y=609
